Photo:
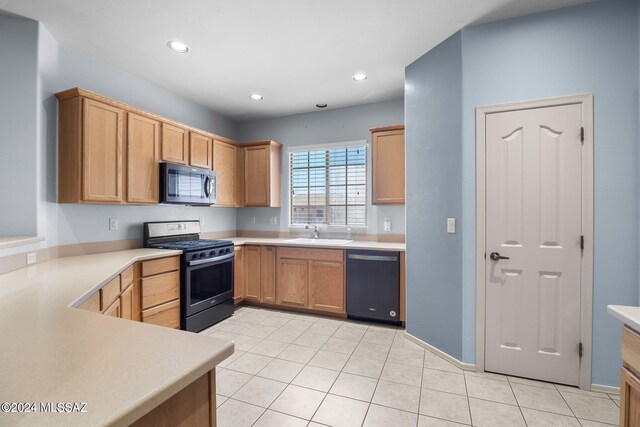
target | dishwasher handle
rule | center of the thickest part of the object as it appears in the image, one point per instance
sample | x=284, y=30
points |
x=372, y=257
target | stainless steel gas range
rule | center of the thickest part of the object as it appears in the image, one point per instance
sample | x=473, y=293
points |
x=206, y=273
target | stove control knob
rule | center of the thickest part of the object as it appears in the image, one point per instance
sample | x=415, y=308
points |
x=212, y=253
x=202, y=254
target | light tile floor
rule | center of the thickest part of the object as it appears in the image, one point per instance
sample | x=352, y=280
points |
x=300, y=370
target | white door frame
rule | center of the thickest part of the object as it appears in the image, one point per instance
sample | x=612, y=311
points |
x=586, y=272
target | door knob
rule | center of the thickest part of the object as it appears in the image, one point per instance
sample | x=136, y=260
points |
x=495, y=256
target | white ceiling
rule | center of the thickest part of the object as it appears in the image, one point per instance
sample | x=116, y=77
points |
x=295, y=53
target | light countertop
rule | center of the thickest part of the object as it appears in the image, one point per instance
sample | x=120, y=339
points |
x=52, y=352
x=629, y=315
x=355, y=244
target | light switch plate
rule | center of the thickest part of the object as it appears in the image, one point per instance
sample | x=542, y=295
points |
x=273, y=220
x=451, y=225
x=113, y=224
x=201, y=219
x=252, y=220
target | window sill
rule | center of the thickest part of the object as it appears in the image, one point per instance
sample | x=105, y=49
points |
x=10, y=242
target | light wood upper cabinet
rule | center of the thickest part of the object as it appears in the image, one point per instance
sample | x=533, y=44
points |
x=387, y=165
x=175, y=144
x=143, y=146
x=200, y=150
x=262, y=169
x=252, y=255
x=268, y=274
x=225, y=158
x=326, y=286
x=90, y=152
x=109, y=152
x=238, y=274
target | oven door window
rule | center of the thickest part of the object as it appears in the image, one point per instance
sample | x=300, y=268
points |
x=209, y=281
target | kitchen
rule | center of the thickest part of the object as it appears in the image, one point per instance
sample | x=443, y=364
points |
x=67, y=202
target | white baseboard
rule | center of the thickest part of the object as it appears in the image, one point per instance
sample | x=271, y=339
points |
x=442, y=354
x=605, y=389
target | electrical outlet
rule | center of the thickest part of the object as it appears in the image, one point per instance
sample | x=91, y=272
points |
x=273, y=220
x=32, y=258
x=113, y=224
x=387, y=224
x=201, y=221
x=252, y=220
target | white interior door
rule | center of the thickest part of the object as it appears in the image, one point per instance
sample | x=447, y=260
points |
x=533, y=217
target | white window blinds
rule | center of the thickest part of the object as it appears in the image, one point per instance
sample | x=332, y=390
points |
x=328, y=186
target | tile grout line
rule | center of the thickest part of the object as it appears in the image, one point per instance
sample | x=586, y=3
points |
x=466, y=390
x=377, y=381
x=517, y=402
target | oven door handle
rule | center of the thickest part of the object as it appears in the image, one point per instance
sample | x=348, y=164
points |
x=209, y=260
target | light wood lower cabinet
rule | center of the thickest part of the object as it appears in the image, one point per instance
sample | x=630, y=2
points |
x=630, y=379
x=161, y=292
x=268, y=274
x=259, y=273
x=293, y=282
x=311, y=278
x=194, y=405
x=252, y=273
x=238, y=274
x=127, y=294
x=326, y=286
x=113, y=310
x=126, y=303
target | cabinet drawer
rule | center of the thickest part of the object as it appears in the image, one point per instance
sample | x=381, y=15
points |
x=109, y=292
x=126, y=278
x=162, y=265
x=92, y=304
x=631, y=348
x=336, y=255
x=164, y=315
x=160, y=289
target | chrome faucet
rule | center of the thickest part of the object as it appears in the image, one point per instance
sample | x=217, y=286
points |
x=314, y=230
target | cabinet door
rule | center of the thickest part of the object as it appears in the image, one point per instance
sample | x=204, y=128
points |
x=224, y=164
x=238, y=274
x=326, y=286
x=175, y=144
x=200, y=154
x=256, y=176
x=388, y=167
x=126, y=303
x=268, y=274
x=102, y=131
x=629, y=399
x=252, y=277
x=293, y=282
x=114, y=309
x=143, y=140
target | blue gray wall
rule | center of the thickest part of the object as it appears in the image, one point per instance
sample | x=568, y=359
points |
x=44, y=67
x=592, y=48
x=433, y=111
x=339, y=125
x=18, y=104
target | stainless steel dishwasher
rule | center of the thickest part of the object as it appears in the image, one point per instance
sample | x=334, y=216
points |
x=373, y=285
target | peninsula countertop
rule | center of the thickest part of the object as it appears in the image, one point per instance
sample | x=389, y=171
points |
x=52, y=352
x=325, y=244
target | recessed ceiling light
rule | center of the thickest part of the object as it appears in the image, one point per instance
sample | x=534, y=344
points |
x=256, y=96
x=177, y=46
x=359, y=77
x=321, y=105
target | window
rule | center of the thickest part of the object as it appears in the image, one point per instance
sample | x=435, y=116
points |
x=328, y=185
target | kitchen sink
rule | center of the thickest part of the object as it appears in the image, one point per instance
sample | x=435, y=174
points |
x=312, y=241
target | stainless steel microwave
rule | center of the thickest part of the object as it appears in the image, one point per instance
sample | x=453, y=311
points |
x=187, y=185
